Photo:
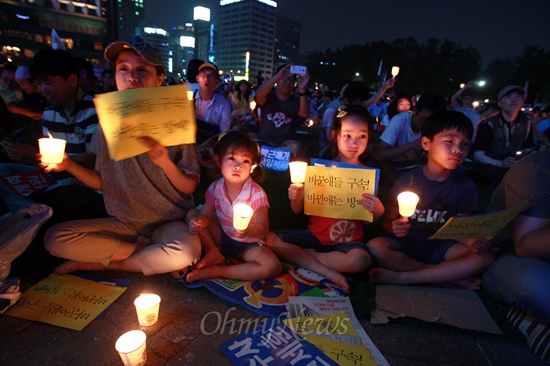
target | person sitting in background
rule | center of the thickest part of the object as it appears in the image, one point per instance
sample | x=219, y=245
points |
x=34, y=102
x=400, y=144
x=281, y=112
x=241, y=98
x=399, y=104
x=71, y=116
x=212, y=110
x=462, y=101
x=9, y=89
x=107, y=81
x=541, y=128
x=502, y=137
x=521, y=273
x=87, y=80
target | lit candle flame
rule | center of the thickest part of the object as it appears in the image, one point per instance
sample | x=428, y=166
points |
x=395, y=71
x=407, y=203
x=297, y=171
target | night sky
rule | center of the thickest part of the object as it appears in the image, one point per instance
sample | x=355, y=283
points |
x=497, y=28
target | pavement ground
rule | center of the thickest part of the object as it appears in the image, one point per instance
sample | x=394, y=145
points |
x=191, y=327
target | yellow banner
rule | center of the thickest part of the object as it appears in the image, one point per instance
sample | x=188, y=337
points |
x=335, y=336
x=65, y=301
x=478, y=226
x=164, y=113
x=336, y=192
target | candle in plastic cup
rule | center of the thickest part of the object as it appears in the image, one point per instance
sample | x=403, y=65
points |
x=242, y=213
x=395, y=70
x=252, y=105
x=131, y=348
x=297, y=171
x=407, y=203
x=147, y=308
x=189, y=95
x=52, y=150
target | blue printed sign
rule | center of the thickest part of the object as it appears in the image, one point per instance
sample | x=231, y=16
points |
x=275, y=158
x=273, y=344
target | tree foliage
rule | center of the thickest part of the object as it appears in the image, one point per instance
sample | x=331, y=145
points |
x=435, y=65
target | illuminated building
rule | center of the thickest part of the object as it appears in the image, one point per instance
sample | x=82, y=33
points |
x=26, y=28
x=246, y=26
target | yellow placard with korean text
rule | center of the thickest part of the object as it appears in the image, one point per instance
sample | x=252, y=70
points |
x=65, y=301
x=164, y=113
x=478, y=226
x=336, y=192
x=334, y=335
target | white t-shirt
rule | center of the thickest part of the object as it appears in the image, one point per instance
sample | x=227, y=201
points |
x=399, y=131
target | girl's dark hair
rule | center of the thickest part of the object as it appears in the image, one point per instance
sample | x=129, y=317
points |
x=246, y=94
x=446, y=121
x=237, y=140
x=343, y=112
x=392, y=107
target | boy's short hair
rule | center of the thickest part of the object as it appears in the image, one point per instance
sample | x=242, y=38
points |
x=431, y=101
x=50, y=62
x=150, y=53
x=446, y=121
x=356, y=90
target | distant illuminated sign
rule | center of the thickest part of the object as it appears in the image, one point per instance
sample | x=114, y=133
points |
x=187, y=41
x=267, y=2
x=201, y=13
x=150, y=30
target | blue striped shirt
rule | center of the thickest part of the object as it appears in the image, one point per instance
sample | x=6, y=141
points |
x=77, y=129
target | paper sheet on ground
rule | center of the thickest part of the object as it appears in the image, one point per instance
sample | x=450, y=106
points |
x=65, y=301
x=300, y=306
x=478, y=226
x=458, y=307
x=163, y=113
x=334, y=335
x=336, y=192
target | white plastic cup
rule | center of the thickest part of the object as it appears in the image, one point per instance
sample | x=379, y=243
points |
x=131, y=348
x=407, y=203
x=52, y=150
x=297, y=172
x=242, y=213
x=147, y=308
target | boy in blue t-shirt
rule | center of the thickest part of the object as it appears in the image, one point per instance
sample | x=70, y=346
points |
x=407, y=256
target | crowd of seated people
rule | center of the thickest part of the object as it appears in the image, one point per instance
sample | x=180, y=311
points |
x=150, y=224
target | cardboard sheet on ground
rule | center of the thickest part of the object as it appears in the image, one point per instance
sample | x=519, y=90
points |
x=336, y=192
x=163, y=113
x=65, y=301
x=478, y=226
x=458, y=307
